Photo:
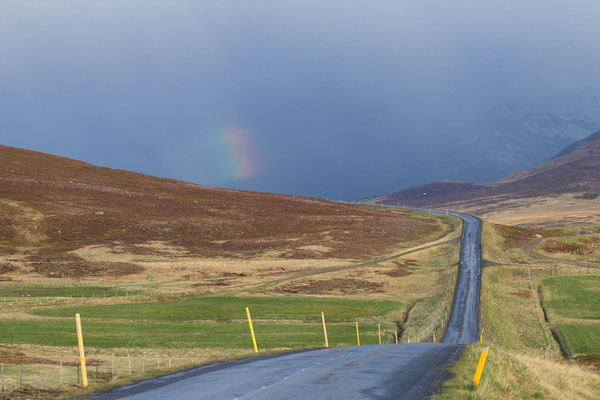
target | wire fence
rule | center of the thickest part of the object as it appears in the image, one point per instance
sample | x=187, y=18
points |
x=54, y=299
x=66, y=372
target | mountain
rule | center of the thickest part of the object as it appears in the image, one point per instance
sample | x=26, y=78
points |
x=509, y=140
x=564, y=189
x=66, y=218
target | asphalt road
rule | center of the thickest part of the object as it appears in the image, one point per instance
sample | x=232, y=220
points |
x=405, y=371
x=463, y=326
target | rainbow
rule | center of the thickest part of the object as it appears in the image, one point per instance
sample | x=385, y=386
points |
x=235, y=155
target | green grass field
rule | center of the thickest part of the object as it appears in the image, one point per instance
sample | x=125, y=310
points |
x=575, y=296
x=207, y=322
x=184, y=335
x=584, y=339
x=234, y=308
x=568, y=299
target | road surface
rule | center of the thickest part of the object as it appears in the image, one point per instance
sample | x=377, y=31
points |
x=405, y=371
x=463, y=326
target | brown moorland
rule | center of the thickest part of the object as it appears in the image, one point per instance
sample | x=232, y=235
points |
x=54, y=209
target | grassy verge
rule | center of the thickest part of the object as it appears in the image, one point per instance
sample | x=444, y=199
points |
x=511, y=316
x=514, y=375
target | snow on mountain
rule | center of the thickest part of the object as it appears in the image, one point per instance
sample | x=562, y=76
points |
x=509, y=140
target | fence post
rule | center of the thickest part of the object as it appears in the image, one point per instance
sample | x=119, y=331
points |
x=81, y=350
x=324, y=329
x=396, y=334
x=357, y=335
x=480, y=365
x=379, y=330
x=252, y=330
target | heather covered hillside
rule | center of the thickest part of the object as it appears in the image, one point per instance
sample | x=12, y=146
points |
x=55, y=212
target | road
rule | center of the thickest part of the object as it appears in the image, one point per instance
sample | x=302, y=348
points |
x=530, y=249
x=463, y=326
x=405, y=371
x=366, y=372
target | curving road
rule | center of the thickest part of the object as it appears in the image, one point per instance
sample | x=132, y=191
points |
x=405, y=371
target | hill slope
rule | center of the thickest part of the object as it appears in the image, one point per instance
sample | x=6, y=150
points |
x=564, y=189
x=54, y=209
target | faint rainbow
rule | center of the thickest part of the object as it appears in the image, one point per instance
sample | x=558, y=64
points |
x=237, y=154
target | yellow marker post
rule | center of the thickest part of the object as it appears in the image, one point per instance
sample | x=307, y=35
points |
x=251, y=330
x=379, y=329
x=396, y=334
x=480, y=365
x=434, y=341
x=480, y=338
x=357, y=335
x=324, y=329
x=408, y=341
x=81, y=352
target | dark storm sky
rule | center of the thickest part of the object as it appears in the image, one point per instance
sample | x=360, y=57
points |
x=338, y=99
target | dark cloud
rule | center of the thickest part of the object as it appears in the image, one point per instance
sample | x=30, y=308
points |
x=337, y=99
